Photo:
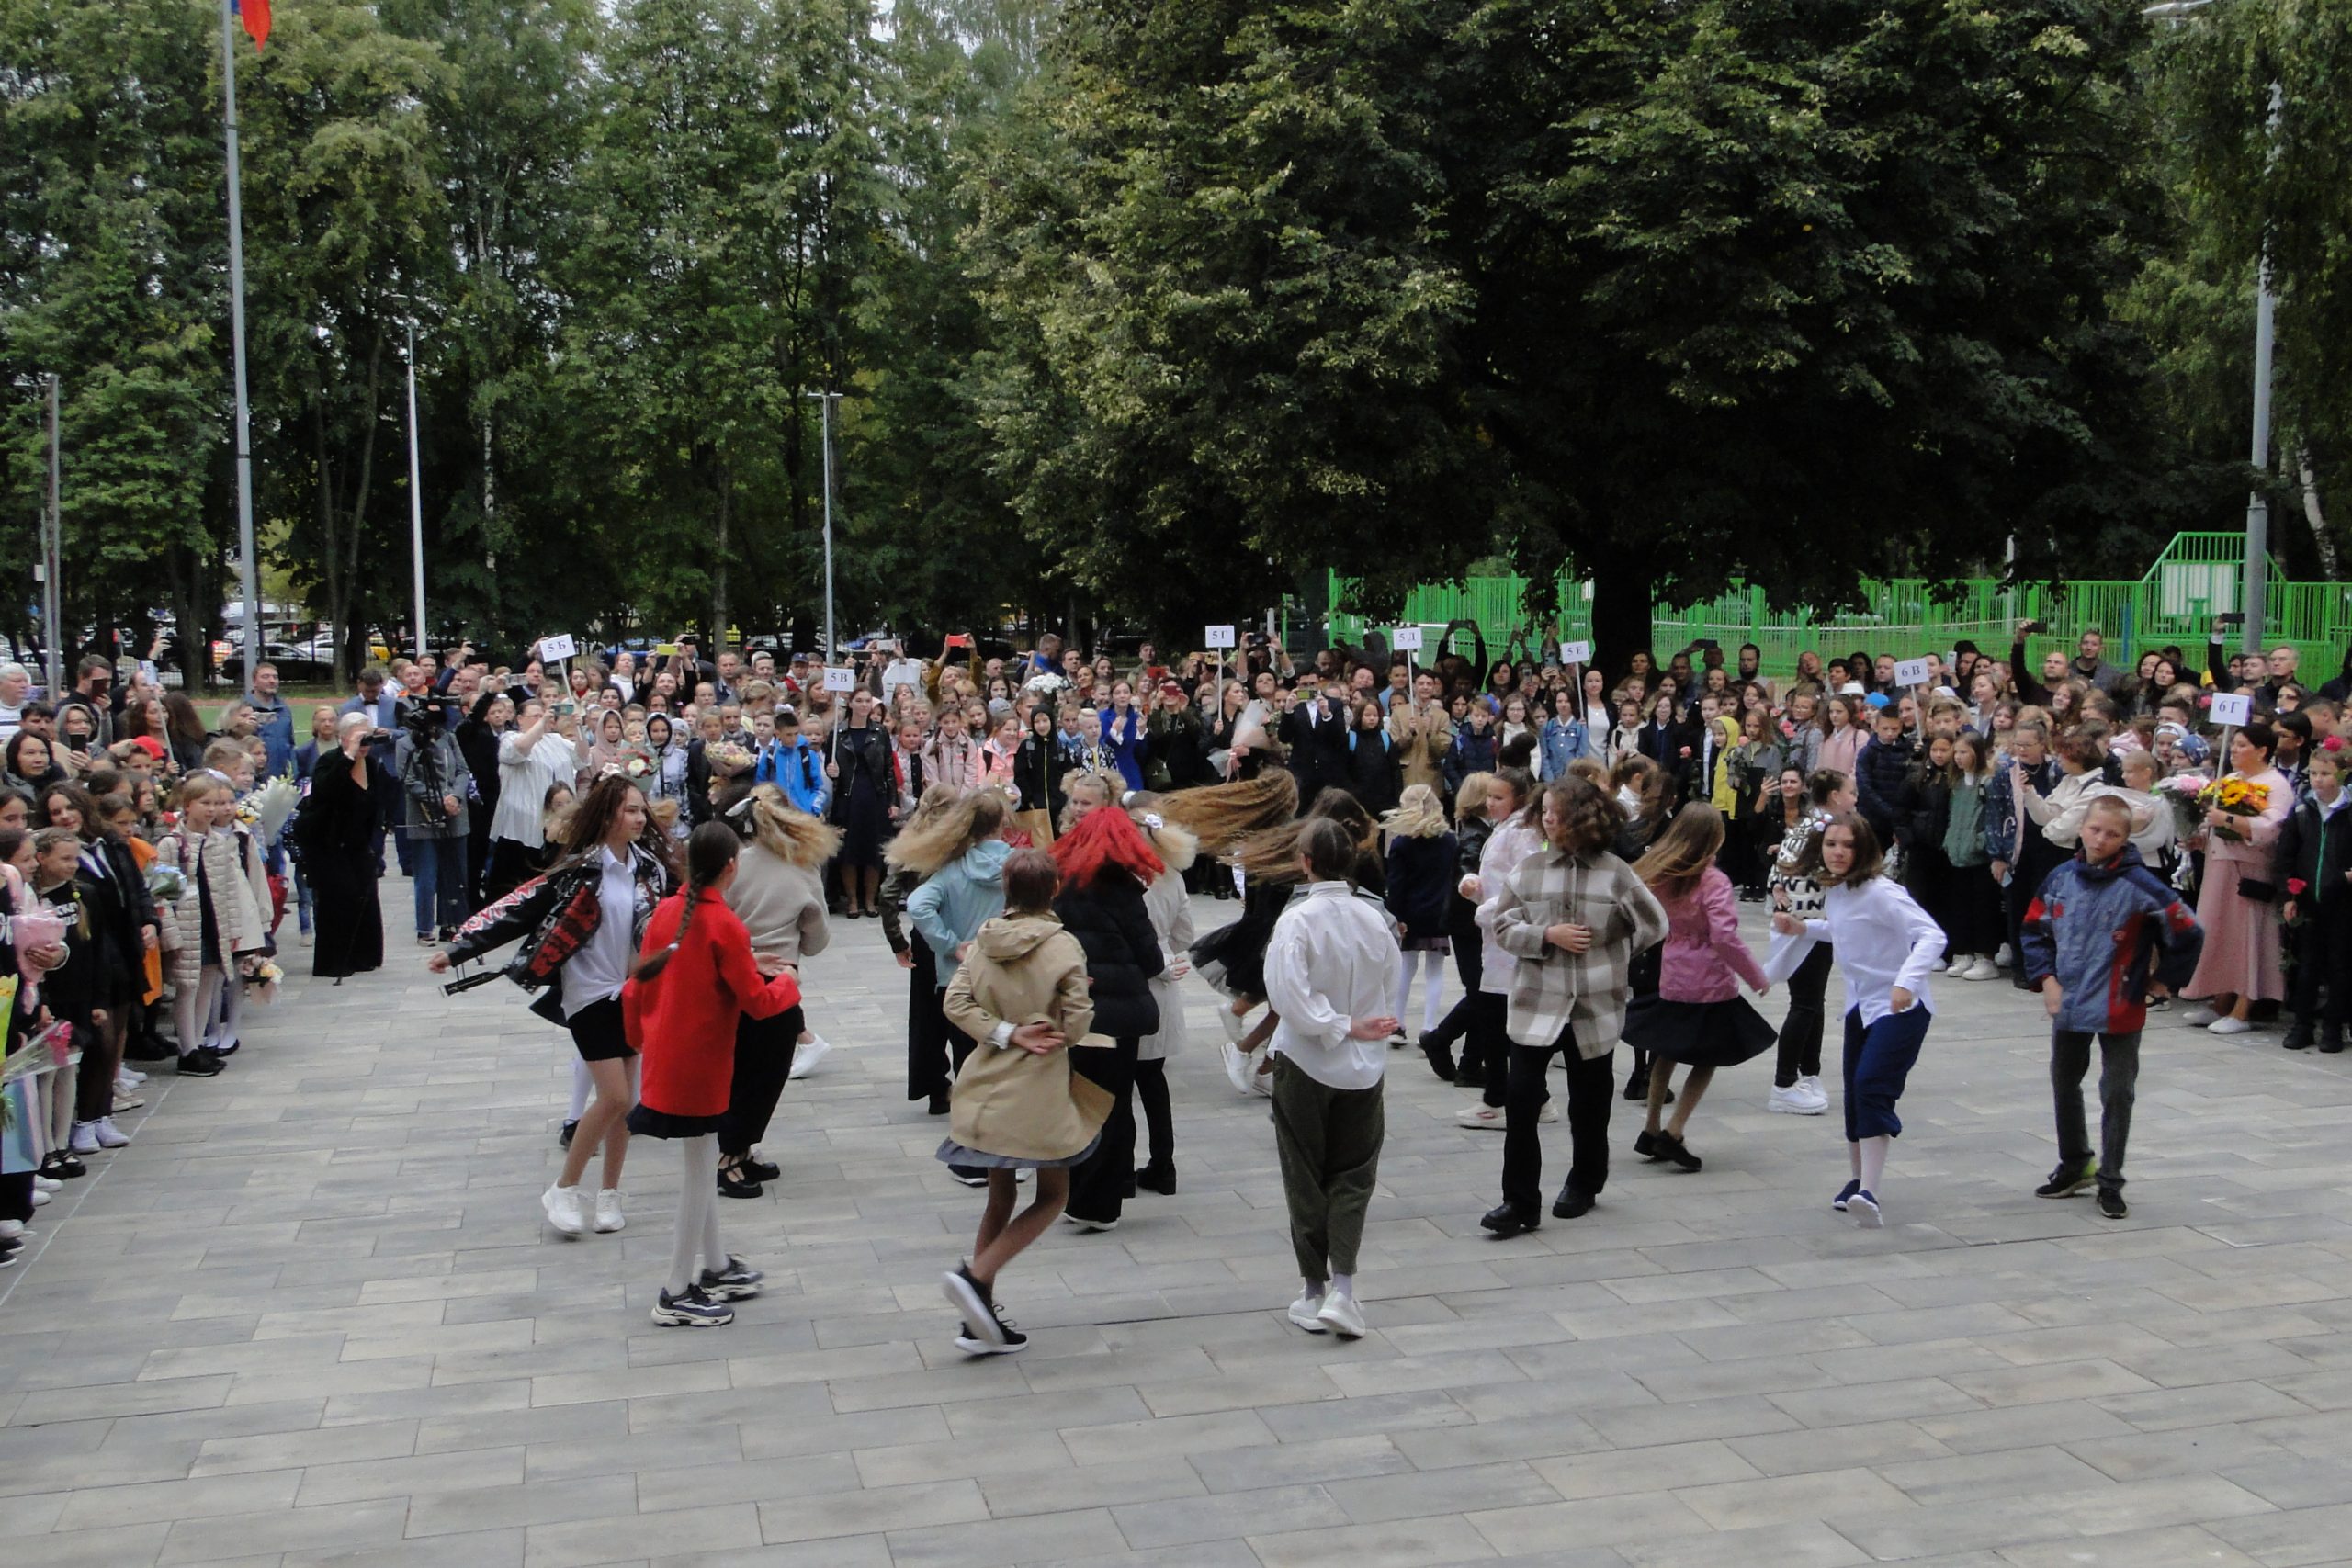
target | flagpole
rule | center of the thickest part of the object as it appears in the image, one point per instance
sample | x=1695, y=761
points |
x=248, y=569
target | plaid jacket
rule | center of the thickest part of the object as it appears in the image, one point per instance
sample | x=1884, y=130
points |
x=1554, y=987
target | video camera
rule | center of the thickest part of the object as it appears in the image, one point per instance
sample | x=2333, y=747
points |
x=421, y=717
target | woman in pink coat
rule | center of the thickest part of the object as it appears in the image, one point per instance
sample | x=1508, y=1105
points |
x=2240, y=962
x=1698, y=1018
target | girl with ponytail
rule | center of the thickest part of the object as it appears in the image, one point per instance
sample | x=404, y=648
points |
x=694, y=977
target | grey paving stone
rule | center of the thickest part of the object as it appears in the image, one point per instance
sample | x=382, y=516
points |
x=358, y=1344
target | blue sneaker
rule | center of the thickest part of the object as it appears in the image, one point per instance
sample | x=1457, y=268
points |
x=1845, y=1194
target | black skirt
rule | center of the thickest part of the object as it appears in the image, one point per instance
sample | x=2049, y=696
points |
x=598, y=1032
x=1699, y=1034
x=648, y=1123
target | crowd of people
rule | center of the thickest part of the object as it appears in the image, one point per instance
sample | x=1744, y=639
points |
x=653, y=849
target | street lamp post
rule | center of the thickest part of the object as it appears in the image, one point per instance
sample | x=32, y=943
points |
x=51, y=532
x=415, y=494
x=826, y=401
x=249, y=568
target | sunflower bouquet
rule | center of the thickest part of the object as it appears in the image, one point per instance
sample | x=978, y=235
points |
x=2234, y=797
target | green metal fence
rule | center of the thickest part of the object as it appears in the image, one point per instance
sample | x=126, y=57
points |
x=2196, y=580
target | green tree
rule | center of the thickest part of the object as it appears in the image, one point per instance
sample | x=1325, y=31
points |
x=110, y=246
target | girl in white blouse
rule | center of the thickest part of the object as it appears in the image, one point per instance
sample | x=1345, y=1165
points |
x=1886, y=947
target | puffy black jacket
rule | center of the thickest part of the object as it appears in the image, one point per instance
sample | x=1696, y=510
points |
x=1108, y=917
x=1420, y=881
x=1882, y=786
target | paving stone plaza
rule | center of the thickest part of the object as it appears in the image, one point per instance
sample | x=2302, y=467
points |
x=312, y=1315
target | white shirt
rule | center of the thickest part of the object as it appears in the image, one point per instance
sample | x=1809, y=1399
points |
x=523, y=780
x=598, y=970
x=1883, y=939
x=1506, y=847
x=1332, y=960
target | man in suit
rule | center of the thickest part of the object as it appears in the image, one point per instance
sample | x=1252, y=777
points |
x=1315, y=732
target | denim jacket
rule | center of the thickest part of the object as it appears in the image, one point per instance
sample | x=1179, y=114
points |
x=1562, y=742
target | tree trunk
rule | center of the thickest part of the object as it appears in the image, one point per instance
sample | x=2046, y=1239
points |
x=2315, y=517
x=718, y=562
x=1621, y=586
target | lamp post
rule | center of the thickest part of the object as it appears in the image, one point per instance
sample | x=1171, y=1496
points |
x=248, y=567
x=2253, y=592
x=52, y=531
x=415, y=494
x=826, y=401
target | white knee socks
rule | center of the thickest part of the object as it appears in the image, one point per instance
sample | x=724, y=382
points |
x=582, y=1084
x=697, y=1212
x=1432, y=983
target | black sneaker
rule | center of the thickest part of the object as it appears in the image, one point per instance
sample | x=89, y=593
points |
x=2111, y=1204
x=1507, y=1222
x=2064, y=1183
x=1441, y=1058
x=2301, y=1036
x=738, y=1281
x=1573, y=1204
x=693, y=1310
x=1159, y=1178
x=563, y=1139
x=1637, y=1084
x=1645, y=1146
x=2332, y=1043
x=972, y=1301
x=1009, y=1339
x=1470, y=1077
x=974, y=1176
x=938, y=1106
x=201, y=1062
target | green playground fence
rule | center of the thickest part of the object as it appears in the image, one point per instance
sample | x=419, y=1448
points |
x=2195, y=579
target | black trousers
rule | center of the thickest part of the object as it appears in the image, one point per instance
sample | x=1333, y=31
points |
x=763, y=1061
x=927, y=1072
x=1489, y=1043
x=509, y=868
x=2322, y=946
x=1097, y=1185
x=1592, y=1091
x=1469, y=963
x=1158, y=1117
x=17, y=1195
x=1800, y=1047
x=2118, y=1087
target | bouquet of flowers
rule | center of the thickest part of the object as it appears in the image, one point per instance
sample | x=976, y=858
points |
x=2184, y=793
x=634, y=764
x=265, y=977
x=728, y=759
x=2234, y=797
x=267, y=809
x=166, y=883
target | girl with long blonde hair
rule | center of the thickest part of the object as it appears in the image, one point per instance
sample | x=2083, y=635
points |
x=1422, y=874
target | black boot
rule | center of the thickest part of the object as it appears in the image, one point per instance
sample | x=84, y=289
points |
x=1573, y=1204
x=1158, y=1178
x=2332, y=1041
x=1507, y=1222
x=2301, y=1036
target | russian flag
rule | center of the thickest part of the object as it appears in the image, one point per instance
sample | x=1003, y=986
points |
x=255, y=14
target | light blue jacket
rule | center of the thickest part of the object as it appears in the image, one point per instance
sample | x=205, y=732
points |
x=1562, y=743
x=950, y=908
x=799, y=770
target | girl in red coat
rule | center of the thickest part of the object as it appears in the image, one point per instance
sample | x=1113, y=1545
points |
x=695, y=976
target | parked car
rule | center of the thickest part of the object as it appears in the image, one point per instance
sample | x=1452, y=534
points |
x=296, y=666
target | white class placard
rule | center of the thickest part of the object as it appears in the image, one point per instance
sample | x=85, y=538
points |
x=840, y=680
x=1405, y=639
x=1911, y=672
x=1576, y=653
x=1219, y=636
x=2232, y=708
x=553, y=649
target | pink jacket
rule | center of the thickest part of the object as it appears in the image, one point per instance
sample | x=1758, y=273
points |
x=1705, y=960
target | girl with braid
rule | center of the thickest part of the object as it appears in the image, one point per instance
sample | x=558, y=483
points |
x=696, y=977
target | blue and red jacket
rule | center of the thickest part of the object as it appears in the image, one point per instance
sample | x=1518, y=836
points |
x=2099, y=928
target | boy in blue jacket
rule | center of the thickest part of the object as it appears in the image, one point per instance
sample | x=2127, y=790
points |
x=2099, y=923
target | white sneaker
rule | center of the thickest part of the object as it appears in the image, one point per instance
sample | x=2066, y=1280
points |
x=2229, y=1026
x=1812, y=1082
x=1490, y=1117
x=108, y=1135
x=2200, y=1016
x=562, y=1205
x=1863, y=1210
x=13, y=1229
x=1938, y=966
x=2005, y=959
x=807, y=1053
x=1306, y=1312
x=130, y=1076
x=1237, y=1065
x=84, y=1140
x=1981, y=970
x=1797, y=1100
x=1342, y=1316
x=1262, y=1084
x=1549, y=1113
x=123, y=1101
x=1237, y=1024
x=609, y=1211
x=42, y=1195
x=46, y=1183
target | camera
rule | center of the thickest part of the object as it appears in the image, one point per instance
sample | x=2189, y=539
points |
x=419, y=715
